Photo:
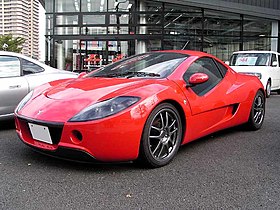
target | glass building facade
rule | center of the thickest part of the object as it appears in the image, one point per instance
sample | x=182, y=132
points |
x=85, y=34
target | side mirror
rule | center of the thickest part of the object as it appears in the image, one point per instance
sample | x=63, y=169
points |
x=81, y=75
x=274, y=64
x=197, y=78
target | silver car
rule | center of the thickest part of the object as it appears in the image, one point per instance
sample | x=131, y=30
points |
x=20, y=74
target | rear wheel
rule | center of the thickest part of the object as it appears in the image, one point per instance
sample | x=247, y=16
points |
x=268, y=89
x=257, y=112
x=161, y=136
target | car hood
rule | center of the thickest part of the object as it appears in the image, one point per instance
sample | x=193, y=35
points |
x=61, y=102
x=92, y=89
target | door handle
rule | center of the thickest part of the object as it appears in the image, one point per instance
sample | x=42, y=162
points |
x=14, y=86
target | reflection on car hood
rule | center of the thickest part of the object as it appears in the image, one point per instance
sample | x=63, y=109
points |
x=60, y=103
x=93, y=88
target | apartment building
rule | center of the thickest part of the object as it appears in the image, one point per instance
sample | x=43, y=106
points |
x=21, y=19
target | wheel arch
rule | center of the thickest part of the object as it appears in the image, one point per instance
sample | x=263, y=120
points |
x=181, y=113
x=269, y=80
x=263, y=91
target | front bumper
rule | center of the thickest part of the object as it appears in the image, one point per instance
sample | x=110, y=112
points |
x=107, y=140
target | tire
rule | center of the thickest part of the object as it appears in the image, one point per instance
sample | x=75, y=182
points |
x=257, y=112
x=268, y=89
x=161, y=137
x=278, y=92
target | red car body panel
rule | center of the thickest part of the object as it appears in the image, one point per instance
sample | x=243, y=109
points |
x=118, y=137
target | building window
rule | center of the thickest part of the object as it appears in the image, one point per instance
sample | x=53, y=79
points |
x=108, y=28
x=257, y=33
x=67, y=20
x=94, y=5
x=67, y=5
x=94, y=19
x=221, y=35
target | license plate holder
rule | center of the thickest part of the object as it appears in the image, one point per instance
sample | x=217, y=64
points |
x=40, y=133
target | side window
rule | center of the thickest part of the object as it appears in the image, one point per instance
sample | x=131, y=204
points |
x=273, y=60
x=30, y=68
x=222, y=68
x=9, y=66
x=207, y=66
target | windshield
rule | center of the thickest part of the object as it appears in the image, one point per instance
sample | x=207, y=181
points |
x=250, y=59
x=155, y=64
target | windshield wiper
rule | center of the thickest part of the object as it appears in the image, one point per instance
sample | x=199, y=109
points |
x=129, y=74
x=111, y=75
x=142, y=74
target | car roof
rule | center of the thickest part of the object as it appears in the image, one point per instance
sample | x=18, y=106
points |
x=19, y=55
x=255, y=51
x=22, y=56
x=189, y=52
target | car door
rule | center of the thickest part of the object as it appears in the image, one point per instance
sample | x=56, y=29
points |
x=212, y=102
x=13, y=87
x=277, y=71
x=274, y=70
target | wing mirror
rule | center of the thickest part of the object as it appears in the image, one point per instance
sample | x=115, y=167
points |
x=274, y=64
x=197, y=78
x=81, y=75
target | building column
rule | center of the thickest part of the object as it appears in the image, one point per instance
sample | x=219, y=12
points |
x=141, y=45
x=60, y=55
x=274, y=33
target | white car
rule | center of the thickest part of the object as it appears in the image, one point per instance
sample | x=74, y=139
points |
x=20, y=74
x=263, y=64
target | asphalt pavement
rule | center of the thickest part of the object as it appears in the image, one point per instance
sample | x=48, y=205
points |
x=232, y=169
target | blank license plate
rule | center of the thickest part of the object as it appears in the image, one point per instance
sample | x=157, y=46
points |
x=40, y=133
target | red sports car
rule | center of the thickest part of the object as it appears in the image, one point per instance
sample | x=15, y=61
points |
x=140, y=108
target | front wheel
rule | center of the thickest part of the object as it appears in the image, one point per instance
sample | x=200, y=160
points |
x=268, y=89
x=257, y=112
x=161, y=136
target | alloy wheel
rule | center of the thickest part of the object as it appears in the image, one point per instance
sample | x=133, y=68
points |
x=163, y=134
x=259, y=107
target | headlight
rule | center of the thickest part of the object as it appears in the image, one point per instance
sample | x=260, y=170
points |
x=105, y=108
x=259, y=75
x=24, y=101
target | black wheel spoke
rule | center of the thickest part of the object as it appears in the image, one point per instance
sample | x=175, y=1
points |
x=166, y=119
x=162, y=121
x=171, y=132
x=155, y=137
x=172, y=124
x=157, y=147
x=161, y=149
x=158, y=129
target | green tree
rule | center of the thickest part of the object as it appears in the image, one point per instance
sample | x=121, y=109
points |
x=10, y=43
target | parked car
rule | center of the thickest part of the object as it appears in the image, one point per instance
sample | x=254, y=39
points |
x=263, y=64
x=139, y=108
x=19, y=75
